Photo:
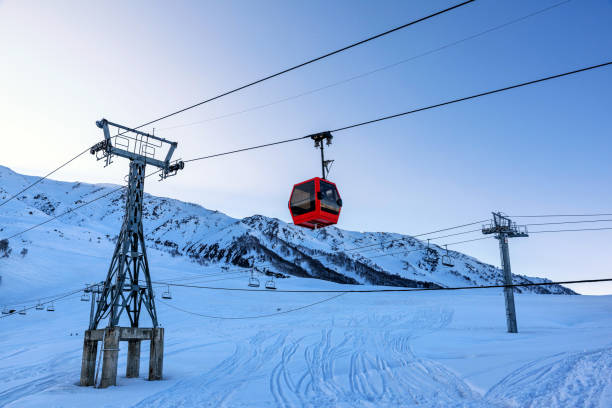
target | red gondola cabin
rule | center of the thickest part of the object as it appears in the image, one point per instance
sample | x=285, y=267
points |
x=315, y=203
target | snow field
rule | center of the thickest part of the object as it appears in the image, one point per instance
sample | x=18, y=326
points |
x=432, y=349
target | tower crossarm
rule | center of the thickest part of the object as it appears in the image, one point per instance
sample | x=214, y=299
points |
x=502, y=225
x=136, y=145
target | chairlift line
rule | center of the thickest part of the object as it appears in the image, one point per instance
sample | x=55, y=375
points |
x=446, y=258
x=166, y=294
x=399, y=289
x=270, y=284
x=253, y=281
x=478, y=95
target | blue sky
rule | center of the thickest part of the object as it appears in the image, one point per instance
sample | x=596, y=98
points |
x=538, y=150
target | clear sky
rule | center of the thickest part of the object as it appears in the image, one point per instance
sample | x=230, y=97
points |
x=538, y=150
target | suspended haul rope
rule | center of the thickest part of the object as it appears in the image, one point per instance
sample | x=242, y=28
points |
x=572, y=230
x=395, y=290
x=365, y=74
x=342, y=292
x=507, y=88
x=71, y=210
x=303, y=64
x=438, y=105
x=43, y=303
x=256, y=316
x=407, y=251
x=359, y=124
x=44, y=177
x=531, y=232
x=569, y=222
x=422, y=234
x=329, y=54
x=560, y=215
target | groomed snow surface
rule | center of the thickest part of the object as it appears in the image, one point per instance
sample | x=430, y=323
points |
x=425, y=349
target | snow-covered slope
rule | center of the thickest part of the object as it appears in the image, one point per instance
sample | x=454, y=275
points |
x=276, y=349
x=206, y=237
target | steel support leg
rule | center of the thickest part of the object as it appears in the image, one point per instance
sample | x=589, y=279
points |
x=508, y=292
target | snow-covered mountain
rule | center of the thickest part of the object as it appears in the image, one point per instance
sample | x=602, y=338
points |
x=210, y=237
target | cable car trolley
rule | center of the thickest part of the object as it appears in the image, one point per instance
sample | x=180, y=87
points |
x=316, y=203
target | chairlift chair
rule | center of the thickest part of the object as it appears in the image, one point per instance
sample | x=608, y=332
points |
x=51, y=308
x=5, y=310
x=428, y=253
x=270, y=284
x=39, y=306
x=85, y=297
x=166, y=294
x=22, y=311
x=446, y=259
x=253, y=281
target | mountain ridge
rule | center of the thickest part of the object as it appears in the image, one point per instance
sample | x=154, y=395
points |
x=210, y=237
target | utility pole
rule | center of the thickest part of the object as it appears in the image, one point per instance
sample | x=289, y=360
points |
x=504, y=228
x=122, y=290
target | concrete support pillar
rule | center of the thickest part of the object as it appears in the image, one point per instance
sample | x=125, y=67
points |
x=88, y=363
x=133, y=359
x=156, y=357
x=110, y=357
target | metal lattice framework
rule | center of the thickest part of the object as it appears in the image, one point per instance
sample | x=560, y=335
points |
x=122, y=290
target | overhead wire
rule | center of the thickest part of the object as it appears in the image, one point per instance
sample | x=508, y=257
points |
x=561, y=215
x=43, y=303
x=572, y=230
x=365, y=74
x=449, y=102
x=255, y=316
x=43, y=177
x=339, y=292
x=420, y=235
x=478, y=95
x=71, y=210
x=423, y=249
x=311, y=61
x=369, y=122
x=399, y=289
x=308, y=62
x=568, y=222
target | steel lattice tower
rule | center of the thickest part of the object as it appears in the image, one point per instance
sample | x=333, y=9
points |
x=122, y=290
x=129, y=266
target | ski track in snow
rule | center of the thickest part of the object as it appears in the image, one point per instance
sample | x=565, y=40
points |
x=561, y=380
x=45, y=374
x=361, y=359
x=364, y=362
